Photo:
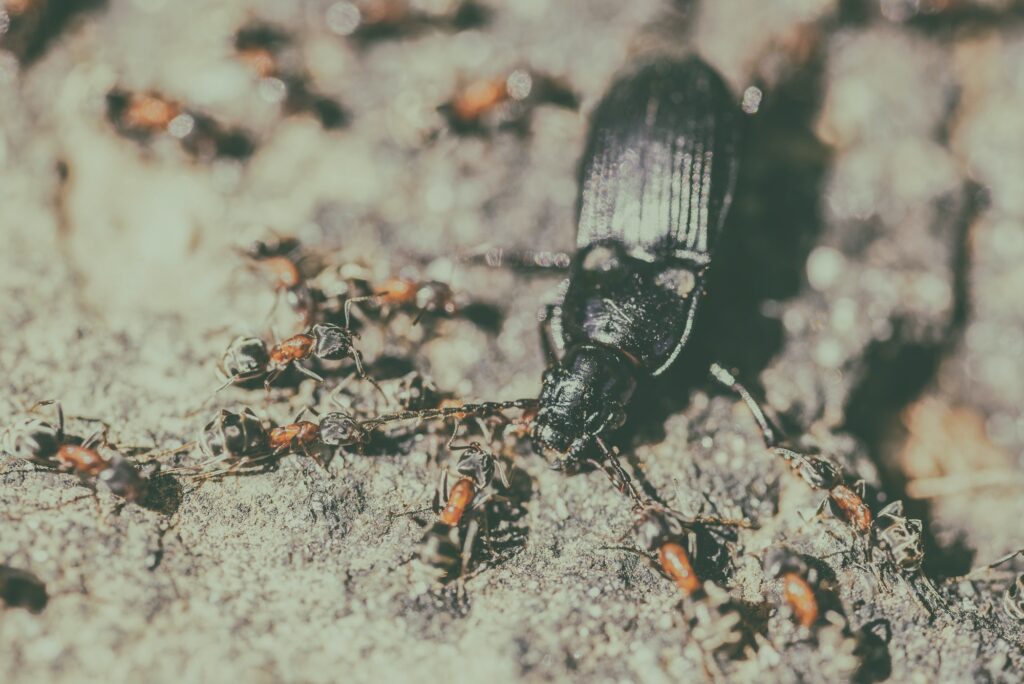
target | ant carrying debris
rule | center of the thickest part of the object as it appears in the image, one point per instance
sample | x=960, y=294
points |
x=260, y=46
x=42, y=443
x=247, y=358
x=845, y=502
x=504, y=103
x=449, y=543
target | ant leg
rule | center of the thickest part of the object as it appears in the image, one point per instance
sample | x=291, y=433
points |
x=355, y=300
x=271, y=377
x=729, y=381
x=860, y=488
x=305, y=371
x=440, y=492
x=315, y=454
x=98, y=438
x=335, y=393
x=467, y=546
x=361, y=371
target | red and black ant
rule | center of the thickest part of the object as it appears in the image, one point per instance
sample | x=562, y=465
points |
x=845, y=502
x=248, y=358
x=47, y=445
x=260, y=46
x=800, y=584
x=367, y=21
x=284, y=262
x=390, y=295
x=448, y=544
x=241, y=440
x=143, y=116
x=504, y=102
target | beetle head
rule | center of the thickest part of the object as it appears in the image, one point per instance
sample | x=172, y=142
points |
x=580, y=399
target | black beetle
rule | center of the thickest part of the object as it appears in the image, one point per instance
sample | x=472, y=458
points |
x=656, y=181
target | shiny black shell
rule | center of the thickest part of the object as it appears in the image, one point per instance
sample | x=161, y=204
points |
x=656, y=181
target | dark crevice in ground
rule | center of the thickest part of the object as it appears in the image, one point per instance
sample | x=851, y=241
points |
x=897, y=373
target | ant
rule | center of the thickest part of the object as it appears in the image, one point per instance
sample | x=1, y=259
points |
x=661, y=530
x=368, y=21
x=403, y=293
x=260, y=46
x=504, y=102
x=143, y=116
x=248, y=358
x=448, y=544
x=800, y=583
x=47, y=445
x=896, y=543
x=243, y=440
x=282, y=260
x=845, y=502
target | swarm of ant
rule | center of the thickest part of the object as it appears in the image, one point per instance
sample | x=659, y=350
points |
x=478, y=506
x=475, y=520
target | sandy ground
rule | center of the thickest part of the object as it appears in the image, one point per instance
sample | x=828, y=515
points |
x=869, y=289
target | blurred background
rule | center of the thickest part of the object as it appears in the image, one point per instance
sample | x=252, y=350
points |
x=869, y=288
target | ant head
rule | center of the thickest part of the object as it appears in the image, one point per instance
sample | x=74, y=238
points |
x=817, y=472
x=233, y=434
x=476, y=463
x=654, y=526
x=581, y=398
x=341, y=429
x=333, y=343
x=123, y=479
x=246, y=357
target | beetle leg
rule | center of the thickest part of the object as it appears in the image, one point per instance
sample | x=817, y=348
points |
x=522, y=260
x=729, y=381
